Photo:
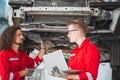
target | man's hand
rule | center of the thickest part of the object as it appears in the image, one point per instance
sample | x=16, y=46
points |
x=46, y=44
x=73, y=77
x=29, y=71
x=42, y=44
x=57, y=73
x=23, y=73
x=26, y=72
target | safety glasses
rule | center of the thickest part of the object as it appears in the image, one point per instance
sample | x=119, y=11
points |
x=72, y=30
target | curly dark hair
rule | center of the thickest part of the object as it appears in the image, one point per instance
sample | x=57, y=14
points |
x=7, y=37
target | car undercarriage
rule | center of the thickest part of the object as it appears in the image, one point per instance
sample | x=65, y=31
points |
x=46, y=20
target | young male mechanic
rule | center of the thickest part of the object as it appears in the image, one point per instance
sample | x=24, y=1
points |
x=85, y=57
x=13, y=60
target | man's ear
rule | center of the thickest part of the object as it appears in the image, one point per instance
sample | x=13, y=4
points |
x=79, y=32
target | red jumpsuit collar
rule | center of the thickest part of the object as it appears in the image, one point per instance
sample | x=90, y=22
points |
x=77, y=48
x=12, y=50
x=83, y=43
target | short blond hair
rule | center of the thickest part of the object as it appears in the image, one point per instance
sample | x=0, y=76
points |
x=78, y=23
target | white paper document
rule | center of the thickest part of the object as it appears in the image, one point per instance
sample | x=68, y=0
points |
x=55, y=59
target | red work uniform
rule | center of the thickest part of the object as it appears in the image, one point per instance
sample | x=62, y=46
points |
x=85, y=58
x=11, y=63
